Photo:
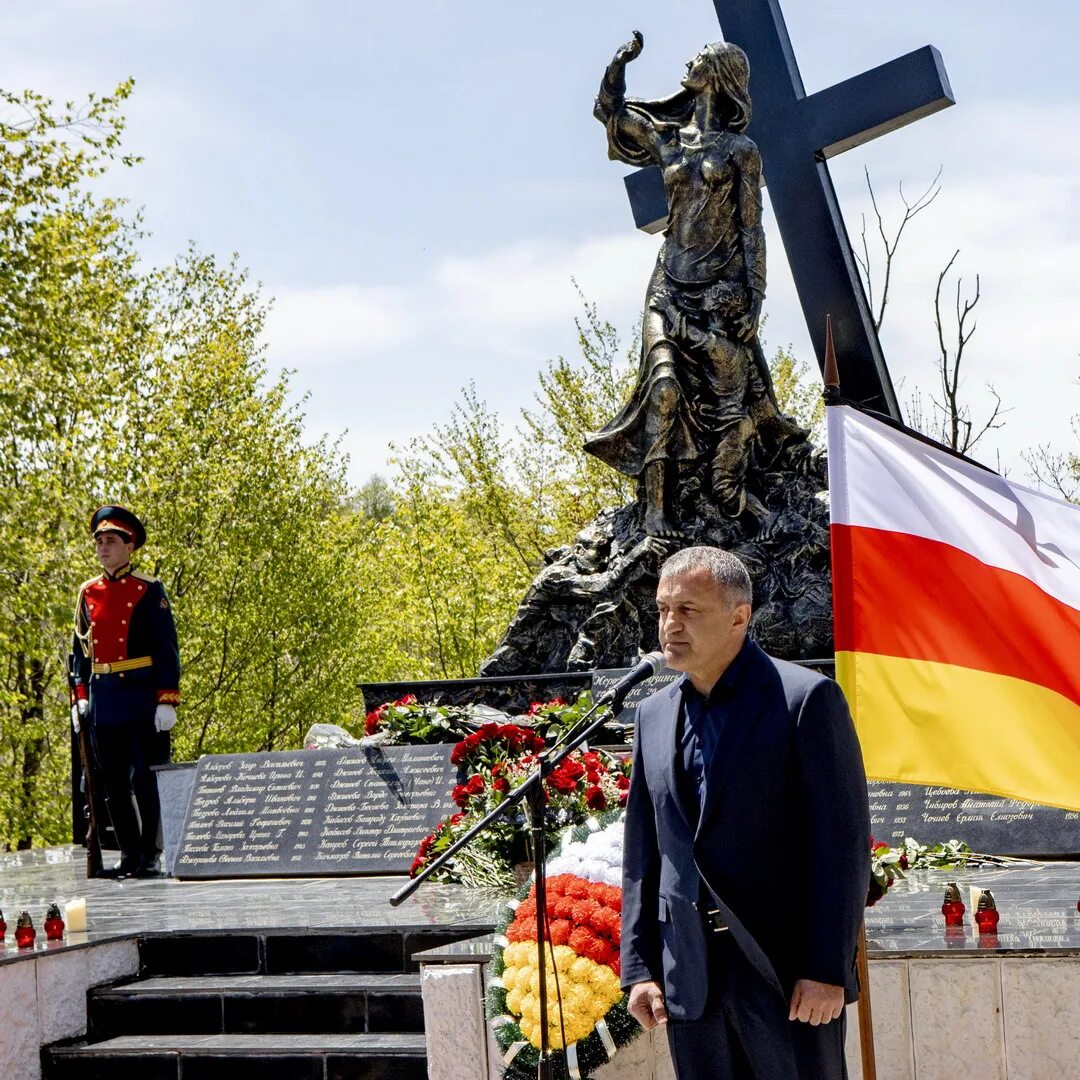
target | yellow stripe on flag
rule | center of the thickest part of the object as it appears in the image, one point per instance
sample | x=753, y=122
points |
x=931, y=723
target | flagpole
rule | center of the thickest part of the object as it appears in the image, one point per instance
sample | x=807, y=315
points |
x=831, y=394
x=866, y=1020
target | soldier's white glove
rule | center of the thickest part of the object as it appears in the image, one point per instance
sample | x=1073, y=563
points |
x=164, y=717
x=78, y=713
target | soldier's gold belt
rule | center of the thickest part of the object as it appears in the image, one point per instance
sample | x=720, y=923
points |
x=122, y=665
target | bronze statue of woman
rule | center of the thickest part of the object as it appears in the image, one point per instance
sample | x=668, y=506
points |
x=703, y=390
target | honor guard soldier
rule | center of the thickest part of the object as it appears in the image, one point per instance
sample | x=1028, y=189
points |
x=126, y=684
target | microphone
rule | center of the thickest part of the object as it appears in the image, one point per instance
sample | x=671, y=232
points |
x=646, y=667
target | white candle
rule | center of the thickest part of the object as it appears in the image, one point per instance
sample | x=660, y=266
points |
x=75, y=915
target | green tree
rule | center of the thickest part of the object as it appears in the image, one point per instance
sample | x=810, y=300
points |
x=577, y=398
x=252, y=534
x=71, y=309
x=798, y=391
x=150, y=387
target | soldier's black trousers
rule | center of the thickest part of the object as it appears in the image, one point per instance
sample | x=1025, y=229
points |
x=126, y=753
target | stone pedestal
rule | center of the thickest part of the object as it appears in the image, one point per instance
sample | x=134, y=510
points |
x=968, y=1017
x=43, y=999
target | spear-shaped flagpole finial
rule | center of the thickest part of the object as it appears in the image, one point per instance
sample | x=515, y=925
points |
x=831, y=374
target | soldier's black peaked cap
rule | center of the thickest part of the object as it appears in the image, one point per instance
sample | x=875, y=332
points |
x=113, y=518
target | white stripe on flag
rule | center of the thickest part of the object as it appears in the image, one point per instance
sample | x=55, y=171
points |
x=881, y=478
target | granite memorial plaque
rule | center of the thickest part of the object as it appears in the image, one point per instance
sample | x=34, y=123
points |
x=604, y=679
x=987, y=823
x=361, y=810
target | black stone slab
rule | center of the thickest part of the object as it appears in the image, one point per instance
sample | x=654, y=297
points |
x=512, y=694
x=361, y=810
x=987, y=823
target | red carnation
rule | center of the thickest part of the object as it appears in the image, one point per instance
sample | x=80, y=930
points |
x=594, y=799
x=560, y=932
x=460, y=795
x=577, y=887
x=622, y=783
x=371, y=722
x=501, y=784
x=408, y=699
x=562, y=907
x=475, y=784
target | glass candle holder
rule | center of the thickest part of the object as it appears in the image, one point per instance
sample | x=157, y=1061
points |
x=24, y=931
x=54, y=923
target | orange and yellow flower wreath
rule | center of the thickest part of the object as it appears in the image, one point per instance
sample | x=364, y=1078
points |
x=586, y=1006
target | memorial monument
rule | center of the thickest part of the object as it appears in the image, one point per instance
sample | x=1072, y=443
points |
x=715, y=459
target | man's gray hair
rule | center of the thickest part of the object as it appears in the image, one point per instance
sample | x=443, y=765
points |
x=727, y=570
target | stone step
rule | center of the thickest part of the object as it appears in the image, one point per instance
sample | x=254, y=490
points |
x=267, y=953
x=254, y=1004
x=242, y=1057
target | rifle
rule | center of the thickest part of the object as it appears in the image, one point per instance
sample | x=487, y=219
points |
x=93, y=835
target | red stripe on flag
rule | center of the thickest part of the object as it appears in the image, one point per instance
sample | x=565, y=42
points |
x=901, y=595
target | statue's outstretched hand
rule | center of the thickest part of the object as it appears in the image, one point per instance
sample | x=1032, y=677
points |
x=631, y=50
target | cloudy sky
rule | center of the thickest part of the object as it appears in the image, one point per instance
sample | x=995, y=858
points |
x=416, y=183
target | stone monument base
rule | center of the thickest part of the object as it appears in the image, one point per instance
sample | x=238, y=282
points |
x=950, y=1005
x=593, y=605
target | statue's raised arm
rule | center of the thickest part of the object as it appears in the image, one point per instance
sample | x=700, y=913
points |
x=632, y=136
x=704, y=398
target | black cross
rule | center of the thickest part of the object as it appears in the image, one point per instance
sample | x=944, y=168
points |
x=796, y=134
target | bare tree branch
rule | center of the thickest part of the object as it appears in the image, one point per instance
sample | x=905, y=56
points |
x=957, y=428
x=889, y=241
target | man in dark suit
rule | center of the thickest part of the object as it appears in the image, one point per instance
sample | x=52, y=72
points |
x=746, y=863
x=126, y=685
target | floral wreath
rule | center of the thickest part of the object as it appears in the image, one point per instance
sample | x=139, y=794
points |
x=584, y=905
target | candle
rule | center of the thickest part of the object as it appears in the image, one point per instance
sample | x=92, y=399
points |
x=75, y=915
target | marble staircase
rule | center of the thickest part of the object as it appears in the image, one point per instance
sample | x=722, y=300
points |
x=273, y=1006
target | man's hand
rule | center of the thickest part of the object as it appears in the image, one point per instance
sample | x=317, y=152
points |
x=815, y=1002
x=164, y=717
x=646, y=1004
x=76, y=717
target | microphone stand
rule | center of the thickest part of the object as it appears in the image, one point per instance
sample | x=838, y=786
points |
x=531, y=792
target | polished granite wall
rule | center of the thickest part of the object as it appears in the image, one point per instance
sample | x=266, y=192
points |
x=946, y=1006
x=43, y=989
x=958, y=1005
x=1004, y=1017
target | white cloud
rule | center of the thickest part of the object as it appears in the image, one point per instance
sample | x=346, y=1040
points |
x=528, y=285
x=322, y=325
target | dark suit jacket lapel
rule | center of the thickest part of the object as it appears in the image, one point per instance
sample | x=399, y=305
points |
x=745, y=709
x=668, y=732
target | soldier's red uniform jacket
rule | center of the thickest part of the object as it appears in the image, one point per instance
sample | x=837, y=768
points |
x=127, y=660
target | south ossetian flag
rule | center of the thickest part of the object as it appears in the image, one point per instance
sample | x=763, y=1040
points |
x=956, y=598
